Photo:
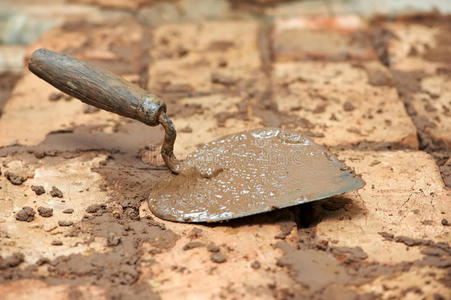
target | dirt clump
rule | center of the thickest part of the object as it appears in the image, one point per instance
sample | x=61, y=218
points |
x=387, y=236
x=212, y=248
x=26, y=214
x=222, y=79
x=15, y=179
x=64, y=223
x=218, y=257
x=55, y=192
x=45, y=212
x=286, y=223
x=68, y=211
x=408, y=241
x=113, y=239
x=355, y=253
x=95, y=208
x=192, y=245
x=38, y=189
x=255, y=265
x=195, y=233
x=55, y=96
x=348, y=106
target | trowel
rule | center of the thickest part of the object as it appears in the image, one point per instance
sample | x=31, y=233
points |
x=238, y=175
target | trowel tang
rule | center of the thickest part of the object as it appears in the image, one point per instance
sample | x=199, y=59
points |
x=105, y=90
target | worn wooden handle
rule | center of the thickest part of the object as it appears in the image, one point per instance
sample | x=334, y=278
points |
x=105, y=90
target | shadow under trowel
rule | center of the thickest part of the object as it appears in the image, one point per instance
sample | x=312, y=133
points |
x=305, y=215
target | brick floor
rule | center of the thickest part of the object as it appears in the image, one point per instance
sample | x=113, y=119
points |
x=404, y=195
x=202, y=58
x=341, y=104
x=411, y=42
x=420, y=48
x=325, y=38
x=73, y=177
x=29, y=115
x=433, y=103
x=398, y=198
x=212, y=73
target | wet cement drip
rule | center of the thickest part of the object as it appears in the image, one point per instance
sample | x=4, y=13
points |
x=248, y=173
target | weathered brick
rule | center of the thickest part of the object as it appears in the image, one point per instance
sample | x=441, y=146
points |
x=324, y=38
x=120, y=47
x=75, y=178
x=402, y=190
x=404, y=195
x=205, y=57
x=241, y=245
x=423, y=52
x=29, y=115
x=412, y=47
x=43, y=15
x=345, y=103
x=433, y=105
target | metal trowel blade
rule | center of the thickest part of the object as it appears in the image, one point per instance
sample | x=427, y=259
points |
x=249, y=173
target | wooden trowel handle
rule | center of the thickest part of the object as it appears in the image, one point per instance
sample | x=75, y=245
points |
x=105, y=90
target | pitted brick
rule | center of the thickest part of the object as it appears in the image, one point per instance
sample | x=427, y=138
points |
x=120, y=47
x=205, y=57
x=412, y=47
x=404, y=195
x=344, y=103
x=433, y=104
x=420, y=57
